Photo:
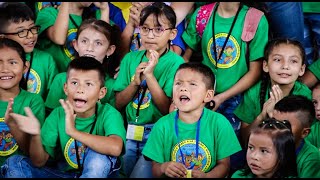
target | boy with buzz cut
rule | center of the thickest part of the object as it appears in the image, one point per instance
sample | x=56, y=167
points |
x=192, y=141
x=299, y=111
x=83, y=137
x=17, y=22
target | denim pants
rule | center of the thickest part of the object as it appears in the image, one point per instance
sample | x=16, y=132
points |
x=311, y=36
x=286, y=20
x=95, y=165
x=237, y=160
x=135, y=165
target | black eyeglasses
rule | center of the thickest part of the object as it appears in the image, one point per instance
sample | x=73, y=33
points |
x=25, y=32
x=273, y=123
x=157, y=31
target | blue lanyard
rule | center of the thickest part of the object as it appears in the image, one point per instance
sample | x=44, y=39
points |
x=300, y=147
x=197, y=137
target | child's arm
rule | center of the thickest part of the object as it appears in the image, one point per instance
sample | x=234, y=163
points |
x=309, y=79
x=276, y=95
x=21, y=137
x=219, y=171
x=182, y=9
x=58, y=32
x=249, y=79
x=125, y=96
x=105, y=11
x=158, y=96
x=171, y=169
x=111, y=145
x=30, y=124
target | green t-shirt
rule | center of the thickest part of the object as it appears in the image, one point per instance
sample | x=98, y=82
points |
x=217, y=141
x=315, y=68
x=164, y=73
x=311, y=7
x=62, y=54
x=314, y=135
x=308, y=161
x=61, y=147
x=8, y=145
x=232, y=66
x=42, y=72
x=238, y=174
x=249, y=108
x=56, y=91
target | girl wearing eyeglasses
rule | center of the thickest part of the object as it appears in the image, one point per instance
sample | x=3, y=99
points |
x=144, y=84
x=270, y=151
x=17, y=23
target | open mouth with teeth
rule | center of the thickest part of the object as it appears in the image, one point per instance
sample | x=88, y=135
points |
x=79, y=102
x=184, y=99
x=6, y=77
x=89, y=55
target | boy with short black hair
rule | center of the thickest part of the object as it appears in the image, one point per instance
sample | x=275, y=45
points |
x=192, y=141
x=299, y=111
x=17, y=22
x=83, y=136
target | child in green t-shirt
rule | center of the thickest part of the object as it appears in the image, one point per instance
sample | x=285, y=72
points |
x=283, y=65
x=13, y=98
x=17, y=23
x=192, y=141
x=270, y=151
x=59, y=28
x=144, y=85
x=83, y=137
x=299, y=111
x=314, y=135
x=97, y=39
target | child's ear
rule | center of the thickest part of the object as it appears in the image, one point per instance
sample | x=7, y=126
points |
x=209, y=96
x=302, y=70
x=26, y=67
x=111, y=50
x=305, y=132
x=65, y=88
x=75, y=45
x=265, y=66
x=103, y=92
x=173, y=34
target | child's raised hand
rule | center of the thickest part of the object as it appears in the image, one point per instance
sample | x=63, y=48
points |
x=70, y=116
x=7, y=118
x=153, y=61
x=174, y=169
x=139, y=70
x=29, y=124
x=276, y=95
x=198, y=174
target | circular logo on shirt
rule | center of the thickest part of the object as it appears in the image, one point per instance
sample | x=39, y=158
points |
x=229, y=55
x=68, y=47
x=33, y=83
x=70, y=152
x=146, y=98
x=8, y=144
x=188, y=154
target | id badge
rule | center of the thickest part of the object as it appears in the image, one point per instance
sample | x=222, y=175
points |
x=135, y=132
x=189, y=171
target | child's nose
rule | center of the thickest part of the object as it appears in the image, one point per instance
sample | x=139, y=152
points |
x=80, y=90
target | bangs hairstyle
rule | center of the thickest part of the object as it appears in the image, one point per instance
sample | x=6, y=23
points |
x=113, y=35
x=301, y=105
x=283, y=141
x=158, y=9
x=207, y=74
x=86, y=64
x=14, y=12
x=9, y=43
x=278, y=41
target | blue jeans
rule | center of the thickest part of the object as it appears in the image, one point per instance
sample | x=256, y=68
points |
x=311, y=36
x=237, y=160
x=135, y=165
x=286, y=20
x=95, y=165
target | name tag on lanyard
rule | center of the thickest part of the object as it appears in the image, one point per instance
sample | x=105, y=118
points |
x=135, y=132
